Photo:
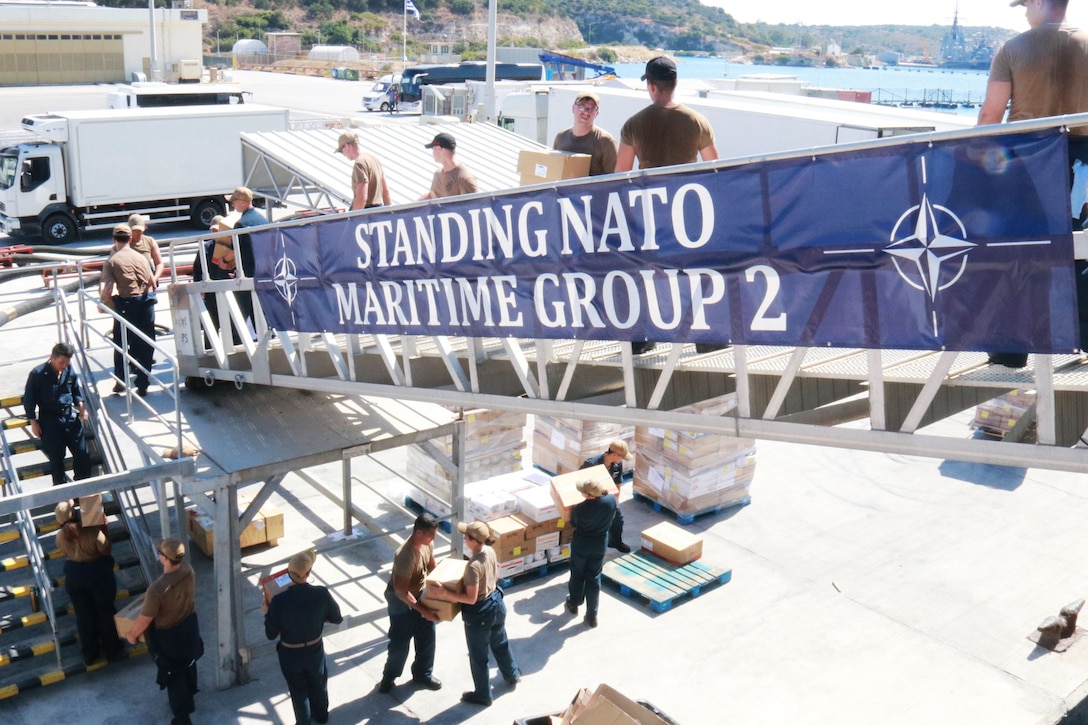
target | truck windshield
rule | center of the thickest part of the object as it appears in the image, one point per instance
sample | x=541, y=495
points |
x=9, y=165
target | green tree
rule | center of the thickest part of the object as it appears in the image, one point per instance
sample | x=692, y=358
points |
x=607, y=55
x=462, y=7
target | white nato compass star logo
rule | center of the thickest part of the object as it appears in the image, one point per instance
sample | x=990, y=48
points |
x=285, y=278
x=930, y=247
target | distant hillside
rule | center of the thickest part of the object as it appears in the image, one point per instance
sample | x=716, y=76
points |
x=374, y=26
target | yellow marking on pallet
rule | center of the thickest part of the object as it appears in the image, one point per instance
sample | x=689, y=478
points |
x=32, y=619
x=50, y=677
x=42, y=648
x=8, y=691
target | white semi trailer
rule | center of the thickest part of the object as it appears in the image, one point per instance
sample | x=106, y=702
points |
x=88, y=170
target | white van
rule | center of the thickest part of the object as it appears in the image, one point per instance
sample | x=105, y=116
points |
x=377, y=99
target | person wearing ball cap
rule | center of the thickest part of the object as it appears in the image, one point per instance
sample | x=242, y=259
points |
x=484, y=614
x=591, y=520
x=169, y=618
x=613, y=460
x=297, y=615
x=453, y=178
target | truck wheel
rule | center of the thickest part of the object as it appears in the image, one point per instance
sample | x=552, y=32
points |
x=203, y=212
x=59, y=229
x=385, y=107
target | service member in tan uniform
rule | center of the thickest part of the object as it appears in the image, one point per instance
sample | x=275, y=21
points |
x=368, y=185
x=169, y=618
x=484, y=614
x=409, y=620
x=126, y=288
x=89, y=581
x=454, y=178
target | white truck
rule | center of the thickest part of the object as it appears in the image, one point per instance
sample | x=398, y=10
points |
x=88, y=170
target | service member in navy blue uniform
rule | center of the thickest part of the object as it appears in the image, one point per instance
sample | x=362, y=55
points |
x=54, y=407
x=409, y=621
x=613, y=459
x=484, y=614
x=89, y=581
x=297, y=616
x=127, y=287
x=591, y=520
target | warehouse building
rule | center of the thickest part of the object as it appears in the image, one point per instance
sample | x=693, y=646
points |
x=49, y=42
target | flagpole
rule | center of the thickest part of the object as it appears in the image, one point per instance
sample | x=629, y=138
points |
x=404, y=39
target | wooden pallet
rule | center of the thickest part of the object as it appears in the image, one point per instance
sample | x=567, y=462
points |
x=659, y=581
x=537, y=571
x=688, y=518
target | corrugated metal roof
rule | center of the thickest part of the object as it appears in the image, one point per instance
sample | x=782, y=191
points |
x=490, y=152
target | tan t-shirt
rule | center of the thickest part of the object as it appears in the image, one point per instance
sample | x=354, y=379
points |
x=667, y=136
x=413, y=565
x=171, y=598
x=598, y=143
x=367, y=169
x=458, y=180
x=483, y=571
x=144, y=247
x=1048, y=69
x=83, y=545
x=129, y=272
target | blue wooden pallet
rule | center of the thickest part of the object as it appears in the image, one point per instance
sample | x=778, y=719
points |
x=689, y=518
x=413, y=505
x=659, y=581
x=552, y=566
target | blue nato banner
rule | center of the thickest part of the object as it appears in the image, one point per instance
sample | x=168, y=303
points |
x=957, y=245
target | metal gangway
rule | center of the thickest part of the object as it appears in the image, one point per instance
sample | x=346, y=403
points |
x=801, y=394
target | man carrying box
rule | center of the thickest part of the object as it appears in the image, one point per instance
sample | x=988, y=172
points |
x=297, y=615
x=409, y=620
x=484, y=614
x=591, y=520
x=613, y=459
x=585, y=138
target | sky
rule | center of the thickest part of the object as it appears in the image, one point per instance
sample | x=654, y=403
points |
x=995, y=13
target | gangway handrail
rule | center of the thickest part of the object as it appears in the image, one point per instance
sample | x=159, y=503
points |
x=24, y=521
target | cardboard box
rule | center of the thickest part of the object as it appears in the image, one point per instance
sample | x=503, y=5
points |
x=551, y=165
x=273, y=584
x=566, y=535
x=447, y=611
x=536, y=505
x=126, y=618
x=547, y=541
x=534, y=529
x=507, y=531
x=566, y=495
x=266, y=527
x=450, y=573
x=91, y=510
x=512, y=567
x=514, y=552
x=608, y=706
x=672, y=543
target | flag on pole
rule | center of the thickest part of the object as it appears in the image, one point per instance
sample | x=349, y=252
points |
x=410, y=7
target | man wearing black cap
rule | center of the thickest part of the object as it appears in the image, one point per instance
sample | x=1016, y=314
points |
x=613, y=459
x=664, y=133
x=1044, y=72
x=453, y=178
x=585, y=138
x=53, y=402
x=368, y=185
x=297, y=616
x=128, y=274
x=169, y=618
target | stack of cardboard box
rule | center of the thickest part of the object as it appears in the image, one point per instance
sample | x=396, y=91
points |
x=999, y=415
x=561, y=444
x=689, y=472
x=265, y=528
x=494, y=440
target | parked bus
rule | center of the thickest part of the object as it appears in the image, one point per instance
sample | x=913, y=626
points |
x=168, y=95
x=413, y=79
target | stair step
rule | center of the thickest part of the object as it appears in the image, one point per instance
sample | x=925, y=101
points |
x=22, y=652
x=48, y=678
